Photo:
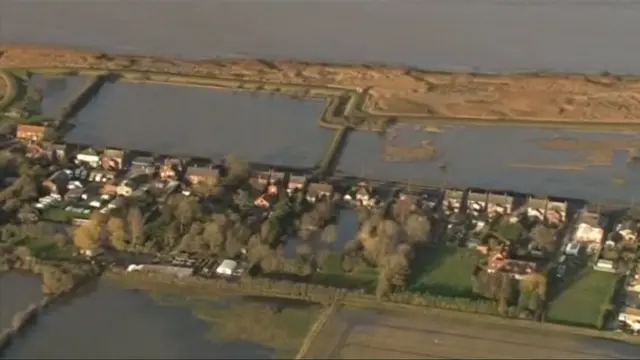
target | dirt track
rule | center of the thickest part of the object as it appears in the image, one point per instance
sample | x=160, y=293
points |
x=393, y=89
x=352, y=334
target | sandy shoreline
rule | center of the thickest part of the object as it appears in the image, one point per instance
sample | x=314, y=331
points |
x=394, y=91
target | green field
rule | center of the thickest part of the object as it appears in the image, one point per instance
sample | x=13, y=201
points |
x=331, y=274
x=444, y=271
x=582, y=303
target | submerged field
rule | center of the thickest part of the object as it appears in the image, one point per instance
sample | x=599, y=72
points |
x=169, y=119
x=359, y=334
x=503, y=158
x=56, y=92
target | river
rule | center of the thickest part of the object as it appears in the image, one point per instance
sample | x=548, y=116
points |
x=486, y=35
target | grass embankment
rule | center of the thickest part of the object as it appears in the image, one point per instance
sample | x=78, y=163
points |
x=10, y=88
x=584, y=302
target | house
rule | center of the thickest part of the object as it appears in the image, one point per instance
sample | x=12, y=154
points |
x=317, y=191
x=631, y=316
x=170, y=169
x=196, y=175
x=276, y=177
x=143, y=164
x=296, y=182
x=453, y=201
x=516, y=268
x=56, y=151
x=361, y=195
x=88, y=156
x=112, y=159
x=33, y=132
x=266, y=201
x=57, y=182
x=499, y=204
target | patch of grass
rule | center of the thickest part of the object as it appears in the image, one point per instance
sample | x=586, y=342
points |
x=332, y=274
x=445, y=271
x=282, y=329
x=583, y=302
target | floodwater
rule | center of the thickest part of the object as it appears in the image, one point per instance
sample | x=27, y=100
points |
x=169, y=119
x=501, y=158
x=486, y=35
x=365, y=334
x=57, y=92
x=17, y=291
x=112, y=323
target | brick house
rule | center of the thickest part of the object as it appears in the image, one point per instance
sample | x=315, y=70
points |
x=28, y=132
x=112, y=159
x=196, y=175
x=317, y=191
x=296, y=183
x=170, y=169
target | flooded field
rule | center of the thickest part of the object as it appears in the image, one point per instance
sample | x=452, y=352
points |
x=449, y=34
x=504, y=158
x=56, y=92
x=17, y=292
x=176, y=120
x=113, y=323
x=357, y=334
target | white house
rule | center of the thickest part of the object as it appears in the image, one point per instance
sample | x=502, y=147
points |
x=88, y=156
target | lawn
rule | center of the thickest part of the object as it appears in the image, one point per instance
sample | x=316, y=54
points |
x=582, y=303
x=331, y=274
x=445, y=271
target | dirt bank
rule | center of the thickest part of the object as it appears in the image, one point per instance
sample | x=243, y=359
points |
x=393, y=90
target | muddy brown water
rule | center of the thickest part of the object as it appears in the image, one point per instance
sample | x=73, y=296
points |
x=176, y=120
x=487, y=35
x=112, y=323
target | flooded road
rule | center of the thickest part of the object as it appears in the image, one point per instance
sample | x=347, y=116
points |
x=112, y=323
x=485, y=35
x=168, y=119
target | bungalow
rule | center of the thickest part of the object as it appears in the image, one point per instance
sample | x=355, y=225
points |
x=57, y=182
x=33, y=132
x=196, y=175
x=88, y=156
x=296, y=182
x=112, y=159
x=361, y=195
x=143, y=164
x=317, y=191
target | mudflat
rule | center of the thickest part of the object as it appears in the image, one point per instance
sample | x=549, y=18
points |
x=391, y=90
x=358, y=334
